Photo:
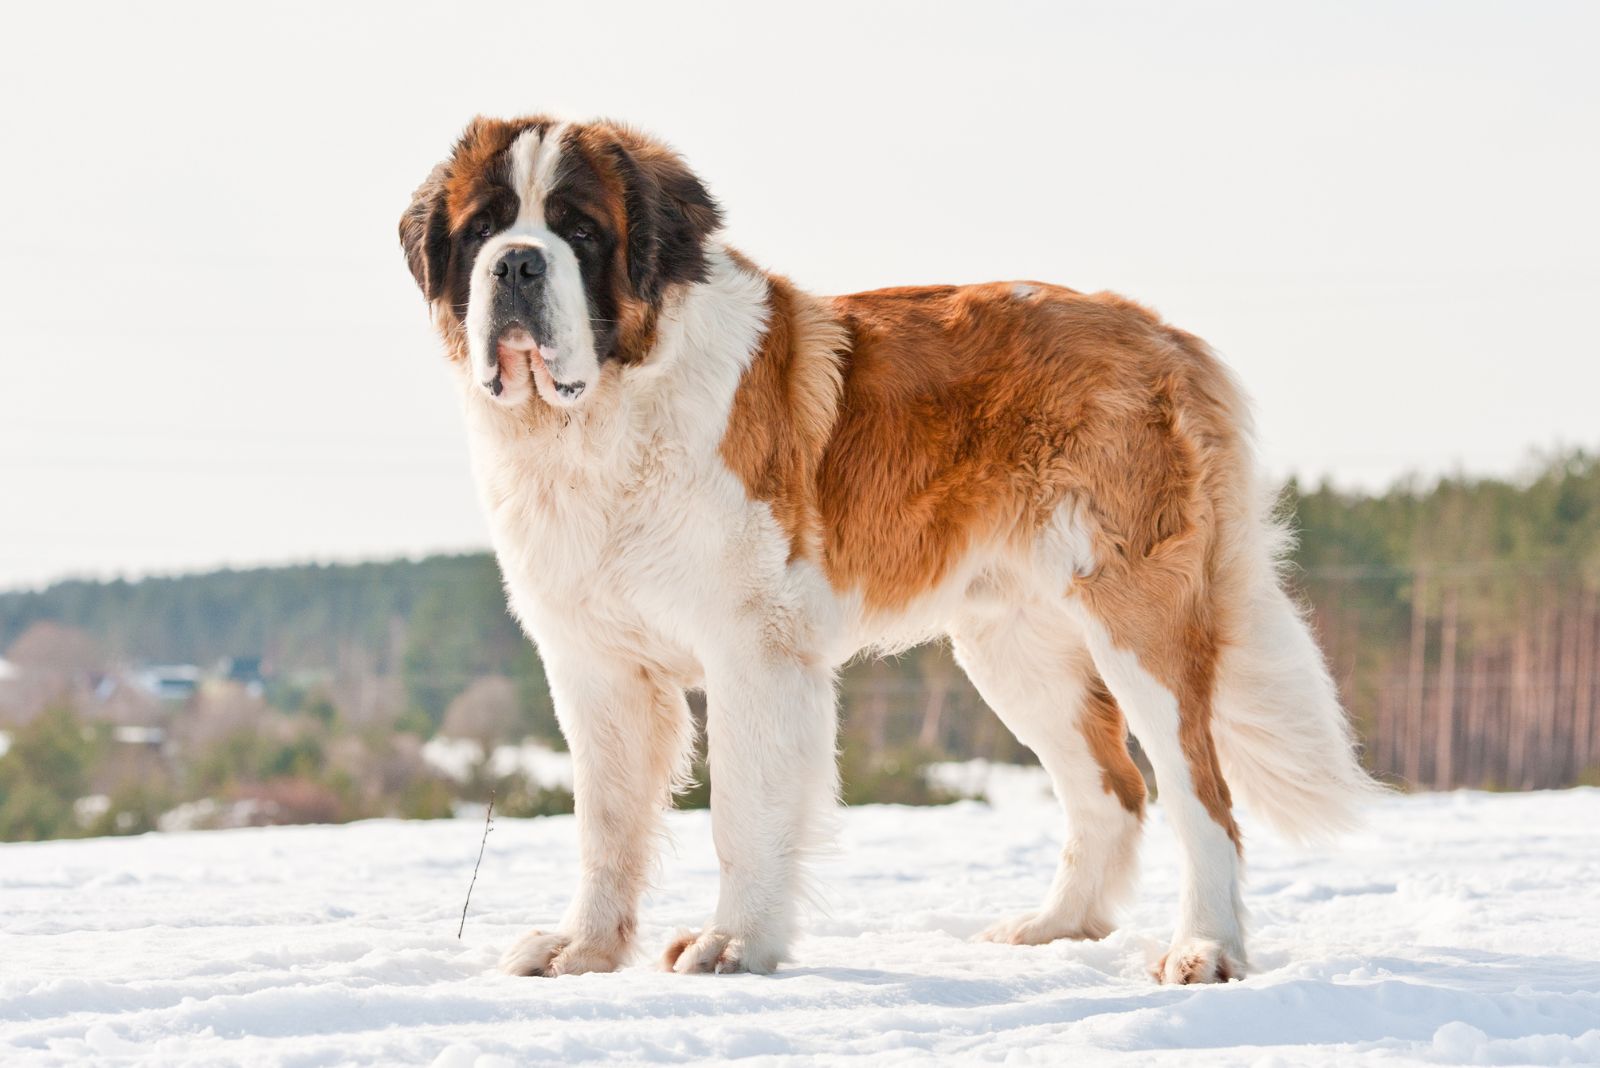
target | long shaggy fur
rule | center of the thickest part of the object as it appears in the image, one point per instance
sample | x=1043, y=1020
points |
x=1285, y=743
x=698, y=476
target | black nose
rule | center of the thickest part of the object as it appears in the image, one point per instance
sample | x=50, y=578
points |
x=520, y=265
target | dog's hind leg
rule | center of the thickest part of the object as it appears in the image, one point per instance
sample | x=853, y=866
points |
x=1030, y=664
x=1158, y=655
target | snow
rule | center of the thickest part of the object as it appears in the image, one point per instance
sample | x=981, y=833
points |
x=1002, y=785
x=539, y=764
x=536, y=762
x=1458, y=928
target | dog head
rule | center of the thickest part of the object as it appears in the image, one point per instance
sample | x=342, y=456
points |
x=546, y=250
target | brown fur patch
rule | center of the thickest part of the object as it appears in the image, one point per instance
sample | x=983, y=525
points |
x=675, y=949
x=1102, y=727
x=1197, y=967
x=968, y=414
x=596, y=144
x=473, y=163
x=784, y=412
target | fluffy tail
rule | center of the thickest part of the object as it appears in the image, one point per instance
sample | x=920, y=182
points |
x=1284, y=742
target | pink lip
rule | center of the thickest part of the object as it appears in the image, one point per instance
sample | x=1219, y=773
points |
x=541, y=373
x=519, y=355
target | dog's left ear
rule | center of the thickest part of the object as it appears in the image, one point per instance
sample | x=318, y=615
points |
x=671, y=216
x=425, y=234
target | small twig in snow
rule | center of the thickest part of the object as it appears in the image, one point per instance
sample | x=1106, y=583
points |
x=488, y=825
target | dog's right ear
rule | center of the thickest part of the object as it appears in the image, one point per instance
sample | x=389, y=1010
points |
x=425, y=234
x=670, y=215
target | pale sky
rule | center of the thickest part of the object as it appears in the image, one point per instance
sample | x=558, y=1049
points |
x=1384, y=215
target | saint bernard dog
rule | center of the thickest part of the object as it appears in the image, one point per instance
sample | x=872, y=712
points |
x=697, y=475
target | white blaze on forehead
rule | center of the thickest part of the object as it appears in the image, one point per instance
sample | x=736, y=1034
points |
x=533, y=169
x=568, y=352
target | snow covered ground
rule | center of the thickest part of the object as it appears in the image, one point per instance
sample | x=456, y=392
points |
x=541, y=765
x=1460, y=928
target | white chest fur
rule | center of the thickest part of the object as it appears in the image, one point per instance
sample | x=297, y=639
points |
x=620, y=526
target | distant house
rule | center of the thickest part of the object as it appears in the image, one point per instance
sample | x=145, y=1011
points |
x=153, y=737
x=244, y=670
x=170, y=682
x=123, y=697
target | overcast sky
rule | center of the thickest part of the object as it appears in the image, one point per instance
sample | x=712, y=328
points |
x=1384, y=215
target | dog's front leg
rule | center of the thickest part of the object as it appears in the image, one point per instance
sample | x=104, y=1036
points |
x=629, y=734
x=770, y=744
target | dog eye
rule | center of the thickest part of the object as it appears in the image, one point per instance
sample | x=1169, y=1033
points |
x=482, y=227
x=581, y=233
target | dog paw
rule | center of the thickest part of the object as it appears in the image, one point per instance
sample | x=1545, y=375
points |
x=1198, y=960
x=553, y=953
x=1037, y=928
x=715, y=951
